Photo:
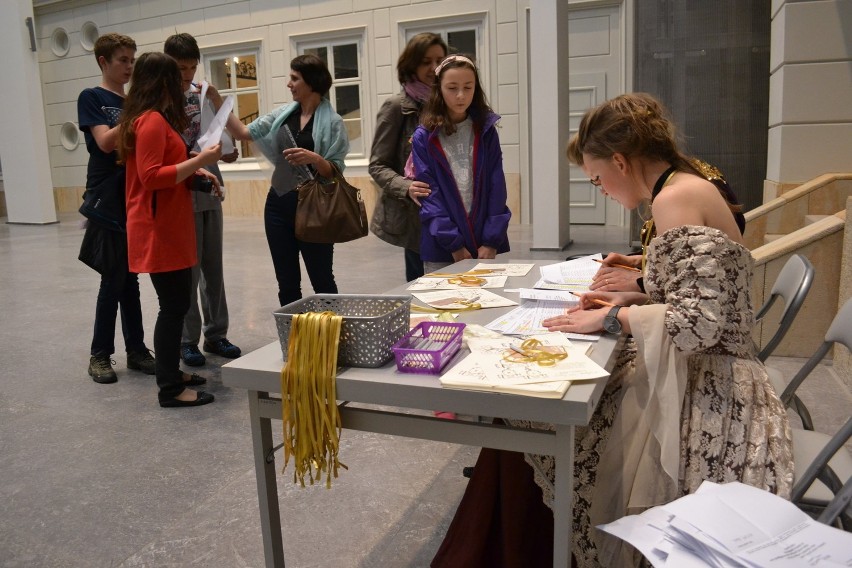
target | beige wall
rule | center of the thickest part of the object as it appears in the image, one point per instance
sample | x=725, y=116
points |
x=810, y=118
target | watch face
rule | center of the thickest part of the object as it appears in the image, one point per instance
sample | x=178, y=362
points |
x=611, y=323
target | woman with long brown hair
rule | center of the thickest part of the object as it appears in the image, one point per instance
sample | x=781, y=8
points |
x=160, y=221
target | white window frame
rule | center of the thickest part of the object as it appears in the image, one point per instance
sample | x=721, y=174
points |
x=442, y=26
x=300, y=43
x=233, y=50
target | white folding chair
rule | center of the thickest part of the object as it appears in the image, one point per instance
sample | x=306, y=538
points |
x=792, y=285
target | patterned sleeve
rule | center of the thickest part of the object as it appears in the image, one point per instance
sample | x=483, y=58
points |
x=699, y=279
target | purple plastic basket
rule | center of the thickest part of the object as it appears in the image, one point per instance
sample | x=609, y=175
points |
x=427, y=348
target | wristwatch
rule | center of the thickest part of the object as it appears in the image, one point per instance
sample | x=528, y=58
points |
x=611, y=323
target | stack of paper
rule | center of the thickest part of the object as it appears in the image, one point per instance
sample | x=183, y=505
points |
x=733, y=525
x=574, y=275
x=486, y=368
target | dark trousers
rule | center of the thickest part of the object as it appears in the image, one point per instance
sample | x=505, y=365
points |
x=279, y=216
x=119, y=289
x=413, y=265
x=174, y=290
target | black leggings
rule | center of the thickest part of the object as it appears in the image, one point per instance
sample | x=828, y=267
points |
x=174, y=290
x=279, y=217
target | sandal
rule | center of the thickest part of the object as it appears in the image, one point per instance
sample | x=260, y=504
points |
x=194, y=380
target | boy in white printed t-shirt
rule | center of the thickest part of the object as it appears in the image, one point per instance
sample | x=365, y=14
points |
x=207, y=275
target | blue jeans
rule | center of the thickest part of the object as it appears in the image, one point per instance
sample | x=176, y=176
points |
x=279, y=216
x=119, y=289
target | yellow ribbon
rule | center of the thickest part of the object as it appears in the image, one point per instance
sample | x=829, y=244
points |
x=467, y=281
x=533, y=351
x=477, y=272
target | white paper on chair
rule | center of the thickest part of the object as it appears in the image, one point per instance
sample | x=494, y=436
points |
x=733, y=524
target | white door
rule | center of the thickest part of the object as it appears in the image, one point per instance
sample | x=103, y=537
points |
x=596, y=74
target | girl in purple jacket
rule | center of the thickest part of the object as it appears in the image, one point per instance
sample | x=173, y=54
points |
x=456, y=150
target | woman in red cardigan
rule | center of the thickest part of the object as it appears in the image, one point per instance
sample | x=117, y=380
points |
x=160, y=221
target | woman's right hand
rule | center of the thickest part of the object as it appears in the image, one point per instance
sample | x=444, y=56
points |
x=418, y=190
x=210, y=155
x=461, y=254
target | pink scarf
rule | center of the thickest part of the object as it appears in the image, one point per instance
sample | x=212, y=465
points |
x=417, y=90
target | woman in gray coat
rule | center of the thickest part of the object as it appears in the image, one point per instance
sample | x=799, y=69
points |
x=396, y=219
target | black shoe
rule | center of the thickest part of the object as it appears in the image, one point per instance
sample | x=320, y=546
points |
x=191, y=355
x=195, y=380
x=202, y=399
x=100, y=369
x=222, y=347
x=142, y=361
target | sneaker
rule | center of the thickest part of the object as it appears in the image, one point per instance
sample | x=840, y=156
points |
x=100, y=369
x=222, y=347
x=142, y=361
x=191, y=355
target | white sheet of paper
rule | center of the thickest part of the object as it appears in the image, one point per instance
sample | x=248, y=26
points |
x=453, y=299
x=579, y=271
x=505, y=269
x=213, y=132
x=552, y=295
x=526, y=319
x=444, y=284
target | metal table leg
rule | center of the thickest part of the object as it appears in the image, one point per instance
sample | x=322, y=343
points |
x=563, y=497
x=267, y=488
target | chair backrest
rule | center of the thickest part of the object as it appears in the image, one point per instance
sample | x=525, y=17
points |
x=840, y=331
x=792, y=285
x=840, y=508
x=820, y=469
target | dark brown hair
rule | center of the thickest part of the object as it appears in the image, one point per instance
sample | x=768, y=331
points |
x=155, y=85
x=435, y=113
x=182, y=46
x=414, y=52
x=314, y=71
x=108, y=44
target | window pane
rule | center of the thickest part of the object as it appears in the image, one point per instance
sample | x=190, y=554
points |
x=345, y=61
x=246, y=68
x=220, y=74
x=347, y=101
x=321, y=52
x=353, y=131
x=462, y=41
x=246, y=109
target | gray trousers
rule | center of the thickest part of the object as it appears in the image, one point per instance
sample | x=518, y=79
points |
x=208, y=280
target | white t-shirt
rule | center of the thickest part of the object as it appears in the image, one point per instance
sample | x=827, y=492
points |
x=458, y=147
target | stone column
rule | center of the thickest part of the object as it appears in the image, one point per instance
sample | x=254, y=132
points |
x=549, y=173
x=23, y=134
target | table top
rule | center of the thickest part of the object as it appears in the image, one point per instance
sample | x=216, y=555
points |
x=260, y=370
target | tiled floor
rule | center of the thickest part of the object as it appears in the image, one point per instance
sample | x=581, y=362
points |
x=100, y=475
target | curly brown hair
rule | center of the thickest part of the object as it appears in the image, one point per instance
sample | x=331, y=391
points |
x=155, y=85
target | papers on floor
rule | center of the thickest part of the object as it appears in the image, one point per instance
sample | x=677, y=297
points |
x=444, y=283
x=526, y=319
x=574, y=275
x=486, y=368
x=733, y=525
x=463, y=299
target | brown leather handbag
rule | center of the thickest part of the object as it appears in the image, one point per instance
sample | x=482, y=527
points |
x=330, y=212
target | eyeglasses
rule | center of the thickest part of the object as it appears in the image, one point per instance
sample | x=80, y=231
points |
x=595, y=181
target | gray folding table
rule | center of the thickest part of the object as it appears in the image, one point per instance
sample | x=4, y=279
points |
x=259, y=372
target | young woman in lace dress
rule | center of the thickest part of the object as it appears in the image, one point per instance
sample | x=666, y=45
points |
x=688, y=399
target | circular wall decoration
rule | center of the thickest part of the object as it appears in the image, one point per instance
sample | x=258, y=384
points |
x=89, y=35
x=69, y=135
x=59, y=42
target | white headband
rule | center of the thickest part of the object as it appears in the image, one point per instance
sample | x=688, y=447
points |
x=450, y=59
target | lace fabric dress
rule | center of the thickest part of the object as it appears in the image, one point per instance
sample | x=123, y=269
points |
x=733, y=427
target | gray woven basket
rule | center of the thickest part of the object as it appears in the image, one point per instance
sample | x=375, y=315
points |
x=371, y=324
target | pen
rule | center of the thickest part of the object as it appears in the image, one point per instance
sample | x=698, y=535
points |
x=624, y=266
x=595, y=300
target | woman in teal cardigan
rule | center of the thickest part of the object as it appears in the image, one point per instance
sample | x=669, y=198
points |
x=305, y=135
